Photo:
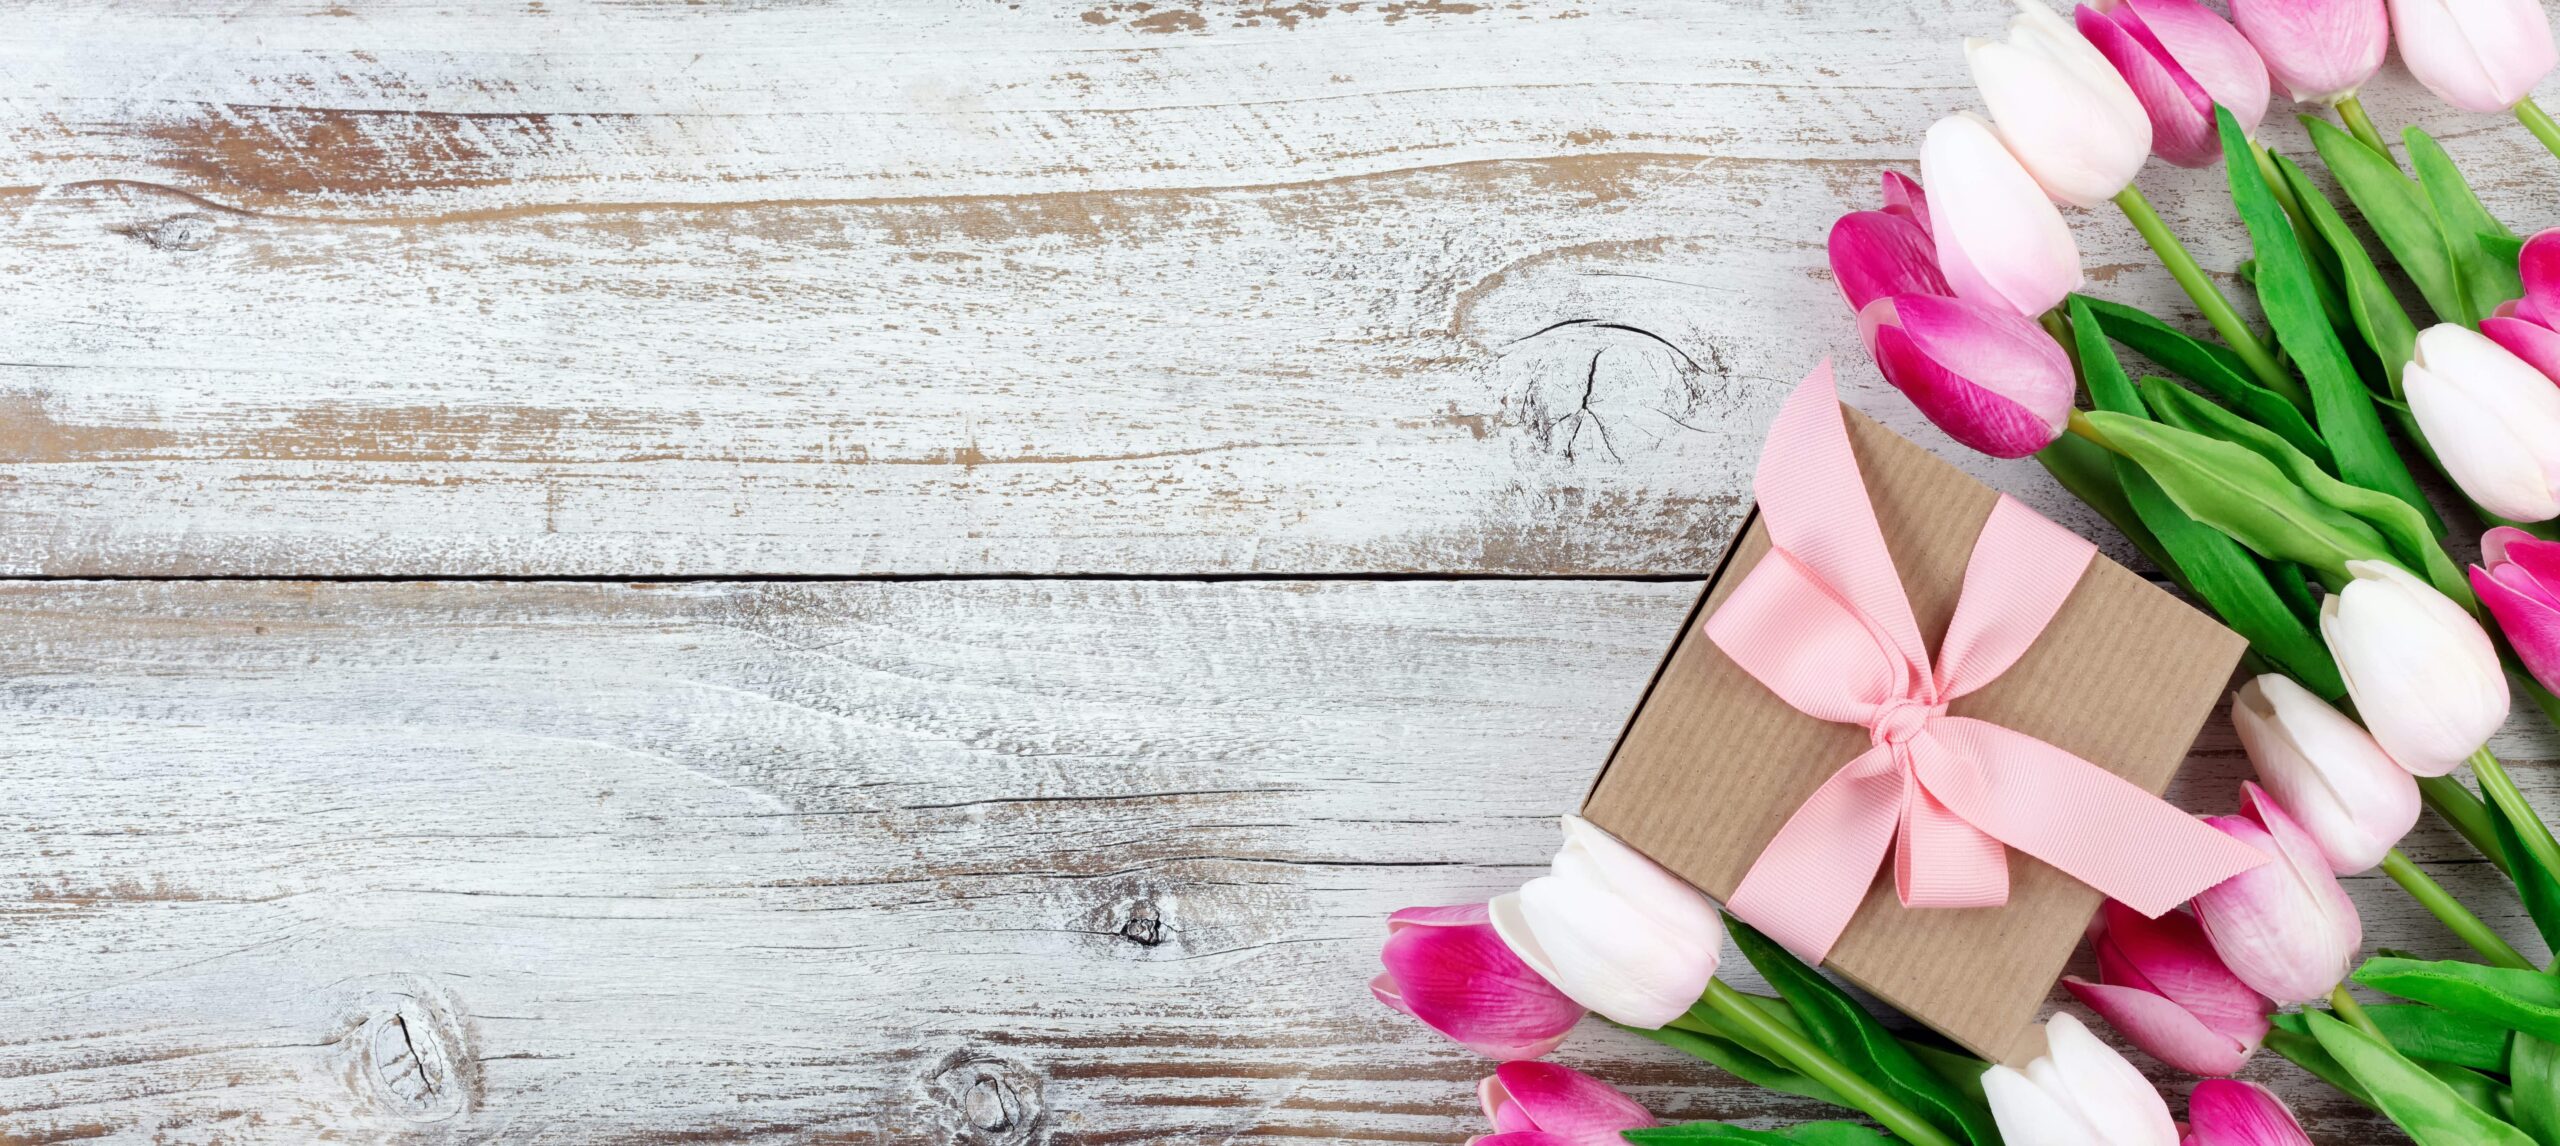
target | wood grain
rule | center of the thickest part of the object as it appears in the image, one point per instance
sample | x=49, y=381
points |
x=986, y=862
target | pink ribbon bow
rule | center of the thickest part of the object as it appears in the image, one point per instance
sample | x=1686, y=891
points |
x=1823, y=622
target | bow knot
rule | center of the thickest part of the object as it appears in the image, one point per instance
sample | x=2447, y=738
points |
x=1900, y=719
x=1822, y=622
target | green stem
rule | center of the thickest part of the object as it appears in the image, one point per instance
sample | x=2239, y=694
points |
x=2079, y=423
x=2456, y=918
x=2283, y=190
x=2208, y=298
x=1809, y=1059
x=2352, y=1013
x=2539, y=123
x=2457, y=806
x=2501, y=790
x=2351, y=110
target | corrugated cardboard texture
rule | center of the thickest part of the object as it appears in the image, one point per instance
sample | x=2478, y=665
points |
x=1712, y=763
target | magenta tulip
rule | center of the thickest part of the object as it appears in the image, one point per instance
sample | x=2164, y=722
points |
x=2320, y=50
x=1447, y=967
x=1880, y=254
x=2223, y=1112
x=2181, y=59
x=1991, y=379
x=1542, y=1104
x=2521, y=585
x=2529, y=327
x=2160, y=983
x=2285, y=928
x=2478, y=55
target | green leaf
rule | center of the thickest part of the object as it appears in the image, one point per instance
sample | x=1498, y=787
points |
x=2216, y=369
x=2536, y=1080
x=2488, y=1094
x=1846, y=1032
x=1800, y=1134
x=2430, y=1034
x=2342, y=407
x=2090, y=474
x=2539, y=888
x=2486, y=280
x=2398, y=211
x=2378, y=315
x=1960, y=1069
x=2233, y=489
x=2505, y=248
x=2514, y=998
x=2295, y=1043
x=2431, y=1111
x=1741, y=1061
x=2415, y=547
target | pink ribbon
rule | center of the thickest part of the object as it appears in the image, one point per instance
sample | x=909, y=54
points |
x=1823, y=622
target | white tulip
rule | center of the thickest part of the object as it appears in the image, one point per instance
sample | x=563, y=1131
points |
x=2421, y=671
x=2063, y=110
x=2000, y=242
x=2492, y=418
x=1613, y=931
x=2081, y=1093
x=2345, y=791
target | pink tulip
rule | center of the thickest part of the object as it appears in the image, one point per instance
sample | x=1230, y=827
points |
x=1542, y=1104
x=2353, y=799
x=2222, y=1112
x=1446, y=967
x=2521, y=585
x=1991, y=379
x=2181, y=59
x=2160, y=983
x=2529, y=327
x=2320, y=50
x=2285, y=928
x=2478, y=55
x=1880, y=254
x=2000, y=242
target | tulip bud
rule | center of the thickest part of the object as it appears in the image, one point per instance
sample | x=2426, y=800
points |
x=2521, y=586
x=2493, y=420
x=2161, y=985
x=2061, y=108
x=1990, y=379
x=2223, y=1112
x=2478, y=55
x=2000, y=242
x=2344, y=790
x=2180, y=60
x=1614, y=931
x=1880, y=254
x=2529, y=327
x=2285, y=928
x=2320, y=50
x=1542, y=1104
x=2420, y=670
x=2081, y=1093
x=1446, y=967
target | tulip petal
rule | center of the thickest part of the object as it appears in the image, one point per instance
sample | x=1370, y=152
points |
x=2162, y=1028
x=2060, y=107
x=2000, y=242
x=2538, y=558
x=1466, y=984
x=2320, y=50
x=2350, y=795
x=2434, y=49
x=1569, y=1103
x=1454, y=915
x=2177, y=961
x=2421, y=671
x=2530, y=620
x=1876, y=255
x=2537, y=344
x=1521, y=1138
x=1611, y=957
x=2285, y=928
x=2222, y=1112
x=2027, y=1116
x=2479, y=444
x=2539, y=265
x=2182, y=130
x=2211, y=52
x=1990, y=379
x=2106, y=1089
x=1654, y=892
x=1904, y=199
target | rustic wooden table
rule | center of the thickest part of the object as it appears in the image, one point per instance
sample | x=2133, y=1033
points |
x=678, y=572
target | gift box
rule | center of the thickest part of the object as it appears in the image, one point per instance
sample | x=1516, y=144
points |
x=1714, y=763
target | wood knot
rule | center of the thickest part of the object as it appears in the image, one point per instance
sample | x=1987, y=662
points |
x=1145, y=925
x=406, y=1052
x=986, y=1100
x=187, y=231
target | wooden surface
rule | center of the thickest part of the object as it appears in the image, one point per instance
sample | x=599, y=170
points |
x=847, y=318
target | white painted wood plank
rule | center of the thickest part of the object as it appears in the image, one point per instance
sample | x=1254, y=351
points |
x=691, y=289
x=803, y=863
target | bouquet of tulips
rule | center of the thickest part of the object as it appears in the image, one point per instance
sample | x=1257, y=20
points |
x=2272, y=475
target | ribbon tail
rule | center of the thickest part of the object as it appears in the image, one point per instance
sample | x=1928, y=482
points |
x=2095, y=826
x=1939, y=860
x=1815, y=872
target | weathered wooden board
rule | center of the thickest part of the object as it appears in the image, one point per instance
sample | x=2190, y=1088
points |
x=609, y=289
x=985, y=862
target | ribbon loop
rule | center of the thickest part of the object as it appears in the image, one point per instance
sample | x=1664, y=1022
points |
x=1822, y=621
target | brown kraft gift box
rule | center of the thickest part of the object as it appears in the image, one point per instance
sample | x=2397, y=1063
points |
x=1712, y=763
